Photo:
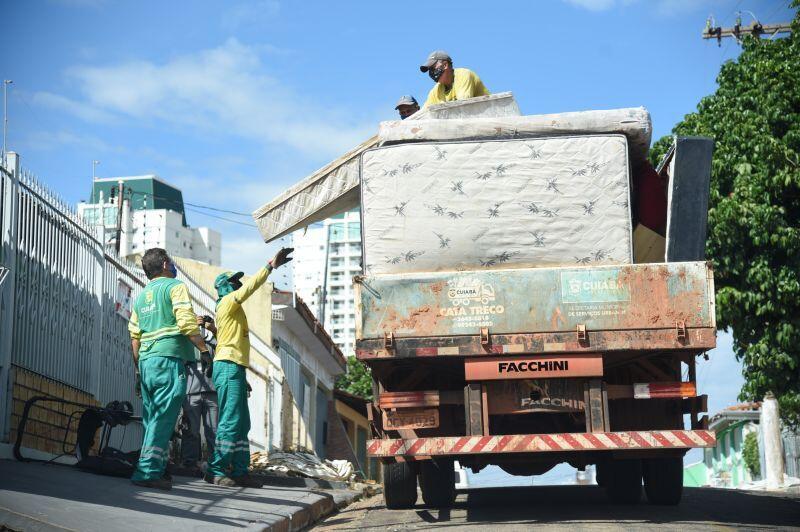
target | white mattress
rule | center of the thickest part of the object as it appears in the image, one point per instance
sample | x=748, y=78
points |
x=334, y=188
x=495, y=204
x=634, y=123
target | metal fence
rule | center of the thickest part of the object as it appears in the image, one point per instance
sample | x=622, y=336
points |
x=791, y=452
x=58, y=291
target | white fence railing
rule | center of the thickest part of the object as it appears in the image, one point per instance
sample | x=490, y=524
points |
x=58, y=315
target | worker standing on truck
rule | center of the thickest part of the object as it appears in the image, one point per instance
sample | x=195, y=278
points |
x=407, y=105
x=163, y=327
x=451, y=84
x=230, y=462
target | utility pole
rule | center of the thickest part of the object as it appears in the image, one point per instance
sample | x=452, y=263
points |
x=756, y=29
x=6, y=83
x=119, y=215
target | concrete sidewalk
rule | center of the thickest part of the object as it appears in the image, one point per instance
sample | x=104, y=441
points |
x=35, y=496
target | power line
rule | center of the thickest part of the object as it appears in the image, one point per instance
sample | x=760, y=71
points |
x=221, y=218
x=181, y=202
x=188, y=208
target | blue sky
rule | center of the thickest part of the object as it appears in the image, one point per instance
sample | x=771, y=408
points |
x=234, y=101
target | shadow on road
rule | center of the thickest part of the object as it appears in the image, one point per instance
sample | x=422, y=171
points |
x=557, y=504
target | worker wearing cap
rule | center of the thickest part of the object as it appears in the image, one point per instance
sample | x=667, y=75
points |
x=451, y=84
x=229, y=464
x=407, y=105
x=164, y=332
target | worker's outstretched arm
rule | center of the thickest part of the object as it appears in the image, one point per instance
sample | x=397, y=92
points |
x=249, y=287
x=253, y=284
x=185, y=318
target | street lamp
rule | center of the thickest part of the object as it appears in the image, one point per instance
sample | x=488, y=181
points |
x=6, y=83
x=94, y=165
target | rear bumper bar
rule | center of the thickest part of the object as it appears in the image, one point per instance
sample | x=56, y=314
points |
x=536, y=443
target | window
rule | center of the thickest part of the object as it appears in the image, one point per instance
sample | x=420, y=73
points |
x=337, y=262
x=90, y=215
x=336, y=232
x=110, y=215
x=354, y=231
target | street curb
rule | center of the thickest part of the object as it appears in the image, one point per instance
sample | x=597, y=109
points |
x=315, y=512
x=17, y=521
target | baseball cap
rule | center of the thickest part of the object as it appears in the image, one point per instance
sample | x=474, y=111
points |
x=438, y=55
x=406, y=100
x=227, y=277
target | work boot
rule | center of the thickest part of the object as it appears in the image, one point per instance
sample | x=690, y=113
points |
x=225, y=482
x=158, y=483
x=246, y=481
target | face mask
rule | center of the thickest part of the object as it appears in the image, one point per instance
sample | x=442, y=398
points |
x=173, y=270
x=237, y=284
x=436, y=73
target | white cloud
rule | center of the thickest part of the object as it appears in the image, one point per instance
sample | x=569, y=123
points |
x=215, y=91
x=249, y=13
x=48, y=140
x=663, y=7
x=593, y=5
x=84, y=111
x=249, y=253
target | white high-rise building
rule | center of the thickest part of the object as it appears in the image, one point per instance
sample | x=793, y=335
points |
x=153, y=216
x=327, y=256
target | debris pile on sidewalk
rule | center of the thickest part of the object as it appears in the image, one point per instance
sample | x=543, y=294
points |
x=300, y=463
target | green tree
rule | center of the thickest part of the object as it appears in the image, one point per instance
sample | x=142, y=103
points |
x=357, y=380
x=750, y=454
x=754, y=211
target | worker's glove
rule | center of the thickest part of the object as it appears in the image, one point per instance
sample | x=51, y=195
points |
x=137, y=386
x=281, y=258
x=207, y=363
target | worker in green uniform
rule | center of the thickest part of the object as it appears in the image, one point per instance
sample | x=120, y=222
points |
x=164, y=332
x=230, y=462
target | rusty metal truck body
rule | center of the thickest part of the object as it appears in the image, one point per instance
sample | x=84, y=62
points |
x=526, y=368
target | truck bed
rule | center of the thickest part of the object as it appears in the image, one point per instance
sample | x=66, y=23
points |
x=665, y=306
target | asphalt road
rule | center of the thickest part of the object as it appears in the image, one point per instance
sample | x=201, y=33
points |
x=576, y=507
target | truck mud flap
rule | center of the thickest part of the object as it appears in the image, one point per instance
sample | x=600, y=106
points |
x=534, y=443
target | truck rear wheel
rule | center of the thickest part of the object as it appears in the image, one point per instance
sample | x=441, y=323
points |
x=663, y=480
x=623, y=481
x=437, y=482
x=399, y=486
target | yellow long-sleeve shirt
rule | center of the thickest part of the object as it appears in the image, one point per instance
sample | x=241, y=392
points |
x=466, y=84
x=233, y=333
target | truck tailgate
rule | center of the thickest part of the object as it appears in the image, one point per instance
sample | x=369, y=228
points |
x=567, y=309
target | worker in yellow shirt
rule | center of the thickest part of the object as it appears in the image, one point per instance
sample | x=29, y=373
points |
x=230, y=461
x=451, y=83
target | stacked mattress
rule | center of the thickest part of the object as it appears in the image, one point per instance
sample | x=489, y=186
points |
x=496, y=203
x=334, y=188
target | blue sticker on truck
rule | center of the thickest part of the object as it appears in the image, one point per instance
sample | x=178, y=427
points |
x=594, y=286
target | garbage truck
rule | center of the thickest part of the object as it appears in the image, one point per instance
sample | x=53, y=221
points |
x=533, y=293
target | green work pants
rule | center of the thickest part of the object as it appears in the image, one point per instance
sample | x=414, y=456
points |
x=163, y=390
x=231, y=448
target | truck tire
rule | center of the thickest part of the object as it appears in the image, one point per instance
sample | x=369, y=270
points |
x=602, y=470
x=663, y=480
x=399, y=486
x=623, y=481
x=437, y=483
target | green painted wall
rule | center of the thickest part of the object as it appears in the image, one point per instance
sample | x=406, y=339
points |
x=695, y=475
